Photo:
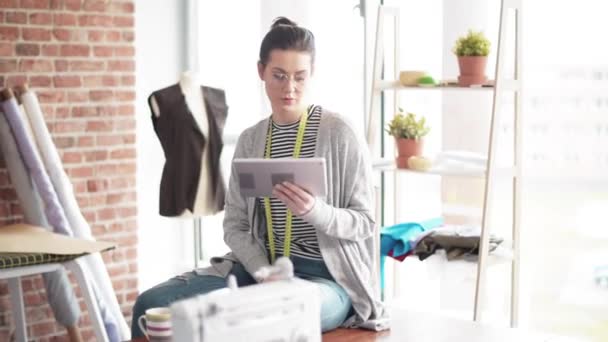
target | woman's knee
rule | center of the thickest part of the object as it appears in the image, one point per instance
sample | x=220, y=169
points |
x=335, y=305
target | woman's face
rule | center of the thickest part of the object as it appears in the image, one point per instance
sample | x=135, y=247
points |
x=286, y=77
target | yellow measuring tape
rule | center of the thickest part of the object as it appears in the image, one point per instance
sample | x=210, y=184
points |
x=296, y=154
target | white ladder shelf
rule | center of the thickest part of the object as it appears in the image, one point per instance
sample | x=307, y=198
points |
x=492, y=172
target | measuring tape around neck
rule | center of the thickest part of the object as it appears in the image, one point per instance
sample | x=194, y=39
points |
x=288, y=220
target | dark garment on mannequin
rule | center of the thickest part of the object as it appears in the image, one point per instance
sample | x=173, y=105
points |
x=183, y=143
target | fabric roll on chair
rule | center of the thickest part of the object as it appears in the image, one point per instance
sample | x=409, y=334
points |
x=52, y=207
x=60, y=293
x=65, y=194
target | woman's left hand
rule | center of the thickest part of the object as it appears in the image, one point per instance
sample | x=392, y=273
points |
x=298, y=200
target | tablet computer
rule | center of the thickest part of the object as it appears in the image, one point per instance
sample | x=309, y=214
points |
x=257, y=176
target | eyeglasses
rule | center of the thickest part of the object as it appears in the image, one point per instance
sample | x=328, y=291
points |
x=279, y=79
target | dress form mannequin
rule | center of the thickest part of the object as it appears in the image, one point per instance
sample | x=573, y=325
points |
x=190, y=85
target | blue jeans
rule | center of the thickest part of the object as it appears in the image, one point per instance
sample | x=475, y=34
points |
x=335, y=303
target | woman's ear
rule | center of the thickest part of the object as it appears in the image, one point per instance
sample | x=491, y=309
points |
x=261, y=70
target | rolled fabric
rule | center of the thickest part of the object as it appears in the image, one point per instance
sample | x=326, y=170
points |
x=65, y=193
x=54, y=212
x=59, y=291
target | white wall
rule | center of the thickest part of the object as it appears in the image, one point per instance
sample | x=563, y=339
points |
x=159, y=60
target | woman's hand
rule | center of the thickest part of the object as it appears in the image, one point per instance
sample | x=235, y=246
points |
x=298, y=200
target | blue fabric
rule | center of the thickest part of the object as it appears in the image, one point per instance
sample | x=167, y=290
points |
x=397, y=238
x=335, y=302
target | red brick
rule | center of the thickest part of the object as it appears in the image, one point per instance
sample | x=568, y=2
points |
x=80, y=96
x=65, y=19
x=101, y=95
x=15, y=17
x=103, y=51
x=72, y=5
x=50, y=50
x=107, y=111
x=15, y=80
x=6, y=49
x=1, y=16
x=27, y=49
x=125, y=95
x=39, y=81
x=95, y=20
x=86, y=141
x=94, y=6
x=124, y=51
x=124, y=125
x=122, y=7
x=78, y=112
x=128, y=36
x=36, y=34
x=81, y=172
x=86, y=65
x=42, y=328
x=67, y=127
x=95, y=36
x=75, y=50
x=124, y=153
x=50, y=96
x=95, y=185
x=121, y=65
x=8, y=65
x=71, y=157
x=113, y=36
x=66, y=81
x=99, y=126
x=41, y=18
x=61, y=112
x=126, y=110
x=35, y=65
x=10, y=33
x=123, y=21
x=110, y=140
x=100, y=81
x=128, y=80
x=62, y=34
x=8, y=4
x=40, y=4
x=106, y=214
x=127, y=168
x=61, y=65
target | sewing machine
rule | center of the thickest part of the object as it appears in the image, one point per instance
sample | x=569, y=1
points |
x=285, y=310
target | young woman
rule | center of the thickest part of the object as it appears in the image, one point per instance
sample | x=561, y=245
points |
x=331, y=238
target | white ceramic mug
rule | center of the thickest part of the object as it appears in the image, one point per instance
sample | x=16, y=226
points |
x=157, y=326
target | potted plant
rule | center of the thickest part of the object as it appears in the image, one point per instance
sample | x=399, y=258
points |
x=472, y=51
x=408, y=132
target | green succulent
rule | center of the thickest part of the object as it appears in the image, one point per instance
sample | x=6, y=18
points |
x=407, y=126
x=474, y=43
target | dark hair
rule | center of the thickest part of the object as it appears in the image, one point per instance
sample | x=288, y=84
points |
x=285, y=34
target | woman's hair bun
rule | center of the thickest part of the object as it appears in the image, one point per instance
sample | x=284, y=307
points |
x=282, y=21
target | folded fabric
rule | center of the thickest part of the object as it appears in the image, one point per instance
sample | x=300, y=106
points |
x=397, y=238
x=456, y=240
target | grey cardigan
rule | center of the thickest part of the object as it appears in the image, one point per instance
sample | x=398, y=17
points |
x=343, y=219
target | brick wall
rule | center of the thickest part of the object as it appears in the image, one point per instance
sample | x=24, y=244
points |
x=78, y=56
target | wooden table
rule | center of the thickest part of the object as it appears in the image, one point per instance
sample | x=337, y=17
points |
x=422, y=327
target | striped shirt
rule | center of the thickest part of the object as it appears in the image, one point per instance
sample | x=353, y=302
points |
x=303, y=236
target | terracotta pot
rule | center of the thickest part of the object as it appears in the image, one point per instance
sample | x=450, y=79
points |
x=472, y=70
x=405, y=149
